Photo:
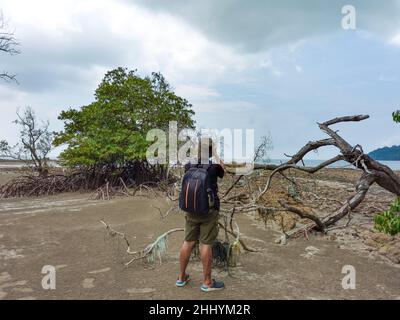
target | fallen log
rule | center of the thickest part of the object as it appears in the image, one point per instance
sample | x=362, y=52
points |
x=373, y=172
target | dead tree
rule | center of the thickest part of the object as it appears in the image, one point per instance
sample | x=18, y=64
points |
x=35, y=142
x=373, y=172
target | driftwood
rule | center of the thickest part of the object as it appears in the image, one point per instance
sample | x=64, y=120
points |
x=373, y=172
x=155, y=250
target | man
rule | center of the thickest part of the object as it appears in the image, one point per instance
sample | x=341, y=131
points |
x=203, y=228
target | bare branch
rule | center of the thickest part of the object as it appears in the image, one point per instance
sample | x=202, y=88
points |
x=8, y=77
x=289, y=165
x=373, y=172
x=8, y=44
x=345, y=119
x=304, y=215
x=310, y=146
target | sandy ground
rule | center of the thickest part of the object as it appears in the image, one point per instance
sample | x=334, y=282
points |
x=64, y=231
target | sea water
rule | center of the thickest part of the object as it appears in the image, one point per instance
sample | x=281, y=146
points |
x=394, y=165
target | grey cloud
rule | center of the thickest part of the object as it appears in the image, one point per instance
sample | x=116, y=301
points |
x=256, y=25
x=46, y=63
x=55, y=73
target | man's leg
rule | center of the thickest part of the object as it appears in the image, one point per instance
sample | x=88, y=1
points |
x=208, y=234
x=206, y=260
x=184, y=257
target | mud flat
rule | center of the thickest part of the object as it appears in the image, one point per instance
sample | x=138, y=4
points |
x=64, y=231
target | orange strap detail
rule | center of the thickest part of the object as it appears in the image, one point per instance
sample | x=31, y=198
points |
x=187, y=191
x=195, y=190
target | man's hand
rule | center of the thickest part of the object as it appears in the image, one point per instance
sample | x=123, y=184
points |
x=222, y=164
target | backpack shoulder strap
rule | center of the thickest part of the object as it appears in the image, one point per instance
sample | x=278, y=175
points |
x=203, y=166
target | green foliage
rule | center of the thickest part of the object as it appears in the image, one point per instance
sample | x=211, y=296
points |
x=389, y=221
x=112, y=130
x=396, y=116
x=293, y=190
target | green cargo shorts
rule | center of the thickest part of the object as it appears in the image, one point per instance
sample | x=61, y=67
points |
x=202, y=227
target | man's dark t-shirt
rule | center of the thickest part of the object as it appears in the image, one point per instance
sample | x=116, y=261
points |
x=215, y=171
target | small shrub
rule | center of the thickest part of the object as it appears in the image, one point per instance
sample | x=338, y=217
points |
x=389, y=221
x=293, y=190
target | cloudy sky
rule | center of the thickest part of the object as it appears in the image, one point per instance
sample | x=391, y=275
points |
x=275, y=66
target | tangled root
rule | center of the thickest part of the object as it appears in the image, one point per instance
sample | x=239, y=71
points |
x=107, y=182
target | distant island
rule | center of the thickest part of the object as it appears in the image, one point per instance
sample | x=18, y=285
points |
x=386, y=153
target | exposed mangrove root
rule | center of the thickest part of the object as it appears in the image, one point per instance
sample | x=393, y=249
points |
x=164, y=215
x=224, y=253
x=244, y=246
x=108, y=182
x=152, y=252
x=29, y=185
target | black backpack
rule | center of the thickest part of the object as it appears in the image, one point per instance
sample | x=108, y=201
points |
x=196, y=196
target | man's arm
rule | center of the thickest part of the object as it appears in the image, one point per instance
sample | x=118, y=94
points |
x=221, y=166
x=220, y=162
